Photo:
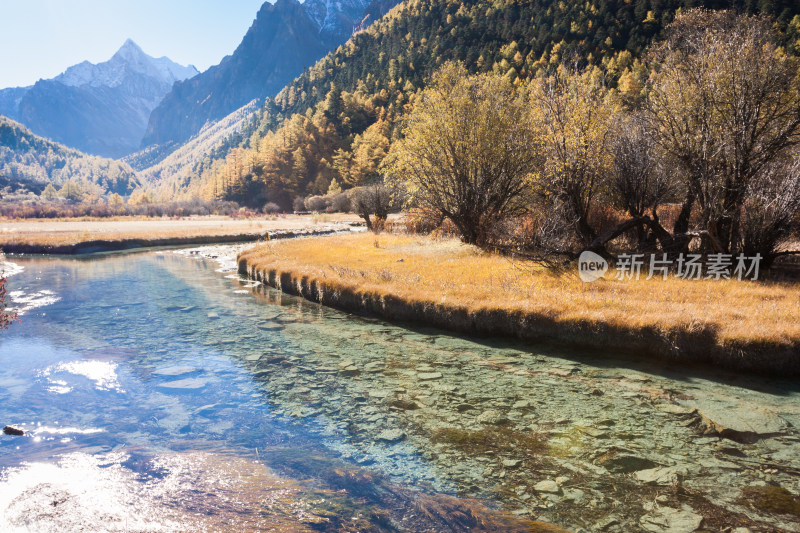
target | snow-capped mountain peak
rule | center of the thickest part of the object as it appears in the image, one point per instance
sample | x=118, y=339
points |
x=129, y=59
x=100, y=108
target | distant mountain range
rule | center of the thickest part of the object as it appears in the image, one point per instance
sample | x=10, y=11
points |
x=285, y=38
x=100, y=109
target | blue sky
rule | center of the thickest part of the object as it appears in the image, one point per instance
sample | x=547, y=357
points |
x=41, y=38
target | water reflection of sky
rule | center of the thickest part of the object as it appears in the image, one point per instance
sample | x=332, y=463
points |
x=121, y=365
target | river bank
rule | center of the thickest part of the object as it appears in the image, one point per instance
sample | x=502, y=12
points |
x=83, y=236
x=742, y=326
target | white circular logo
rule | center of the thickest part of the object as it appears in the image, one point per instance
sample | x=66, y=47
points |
x=591, y=266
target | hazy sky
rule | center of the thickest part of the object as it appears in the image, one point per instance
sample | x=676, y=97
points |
x=41, y=38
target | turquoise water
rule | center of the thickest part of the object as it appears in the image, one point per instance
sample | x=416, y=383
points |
x=136, y=380
x=162, y=393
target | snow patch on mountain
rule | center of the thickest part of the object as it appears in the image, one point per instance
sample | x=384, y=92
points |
x=129, y=59
x=329, y=15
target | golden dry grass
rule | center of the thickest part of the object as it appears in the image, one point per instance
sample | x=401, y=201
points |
x=45, y=232
x=445, y=271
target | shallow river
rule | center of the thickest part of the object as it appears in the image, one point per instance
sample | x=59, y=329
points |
x=160, y=392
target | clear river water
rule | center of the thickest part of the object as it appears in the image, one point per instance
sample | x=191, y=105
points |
x=159, y=391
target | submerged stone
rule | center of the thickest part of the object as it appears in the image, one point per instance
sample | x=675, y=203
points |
x=547, y=486
x=713, y=462
x=186, y=384
x=406, y=405
x=492, y=417
x=740, y=422
x=658, y=476
x=669, y=520
x=625, y=463
x=391, y=435
x=175, y=370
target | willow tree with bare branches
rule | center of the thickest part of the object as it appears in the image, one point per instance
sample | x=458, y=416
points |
x=725, y=105
x=468, y=150
x=574, y=114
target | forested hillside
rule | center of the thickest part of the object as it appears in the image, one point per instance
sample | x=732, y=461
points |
x=285, y=38
x=336, y=121
x=173, y=173
x=34, y=162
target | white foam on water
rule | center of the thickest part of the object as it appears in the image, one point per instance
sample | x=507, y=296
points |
x=59, y=386
x=79, y=493
x=192, y=491
x=24, y=302
x=102, y=373
x=8, y=269
x=66, y=431
x=244, y=282
x=224, y=255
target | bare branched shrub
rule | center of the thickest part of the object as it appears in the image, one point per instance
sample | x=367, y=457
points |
x=575, y=116
x=468, y=150
x=340, y=203
x=271, y=208
x=771, y=210
x=725, y=103
x=299, y=204
x=316, y=203
x=374, y=202
x=640, y=181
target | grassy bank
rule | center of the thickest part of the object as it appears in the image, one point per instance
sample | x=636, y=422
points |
x=738, y=325
x=71, y=236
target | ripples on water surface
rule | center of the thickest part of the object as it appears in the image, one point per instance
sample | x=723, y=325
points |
x=160, y=394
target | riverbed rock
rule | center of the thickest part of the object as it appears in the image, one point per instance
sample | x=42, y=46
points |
x=391, y=435
x=374, y=367
x=492, y=417
x=175, y=370
x=739, y=422
x=511, y=463
x=406, y=405
x=658, y=476
x=184, y=384
x=605, y=523
x=669, y=520
x=429, y=376
x=15, y=431
x=713, y=462
x=351, y=370
x=547, y=486
x=625, y=463
x=674, y=409
x=573, y=495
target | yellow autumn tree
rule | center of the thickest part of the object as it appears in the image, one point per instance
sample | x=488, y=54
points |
x=575, y=114
x=468, y=150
